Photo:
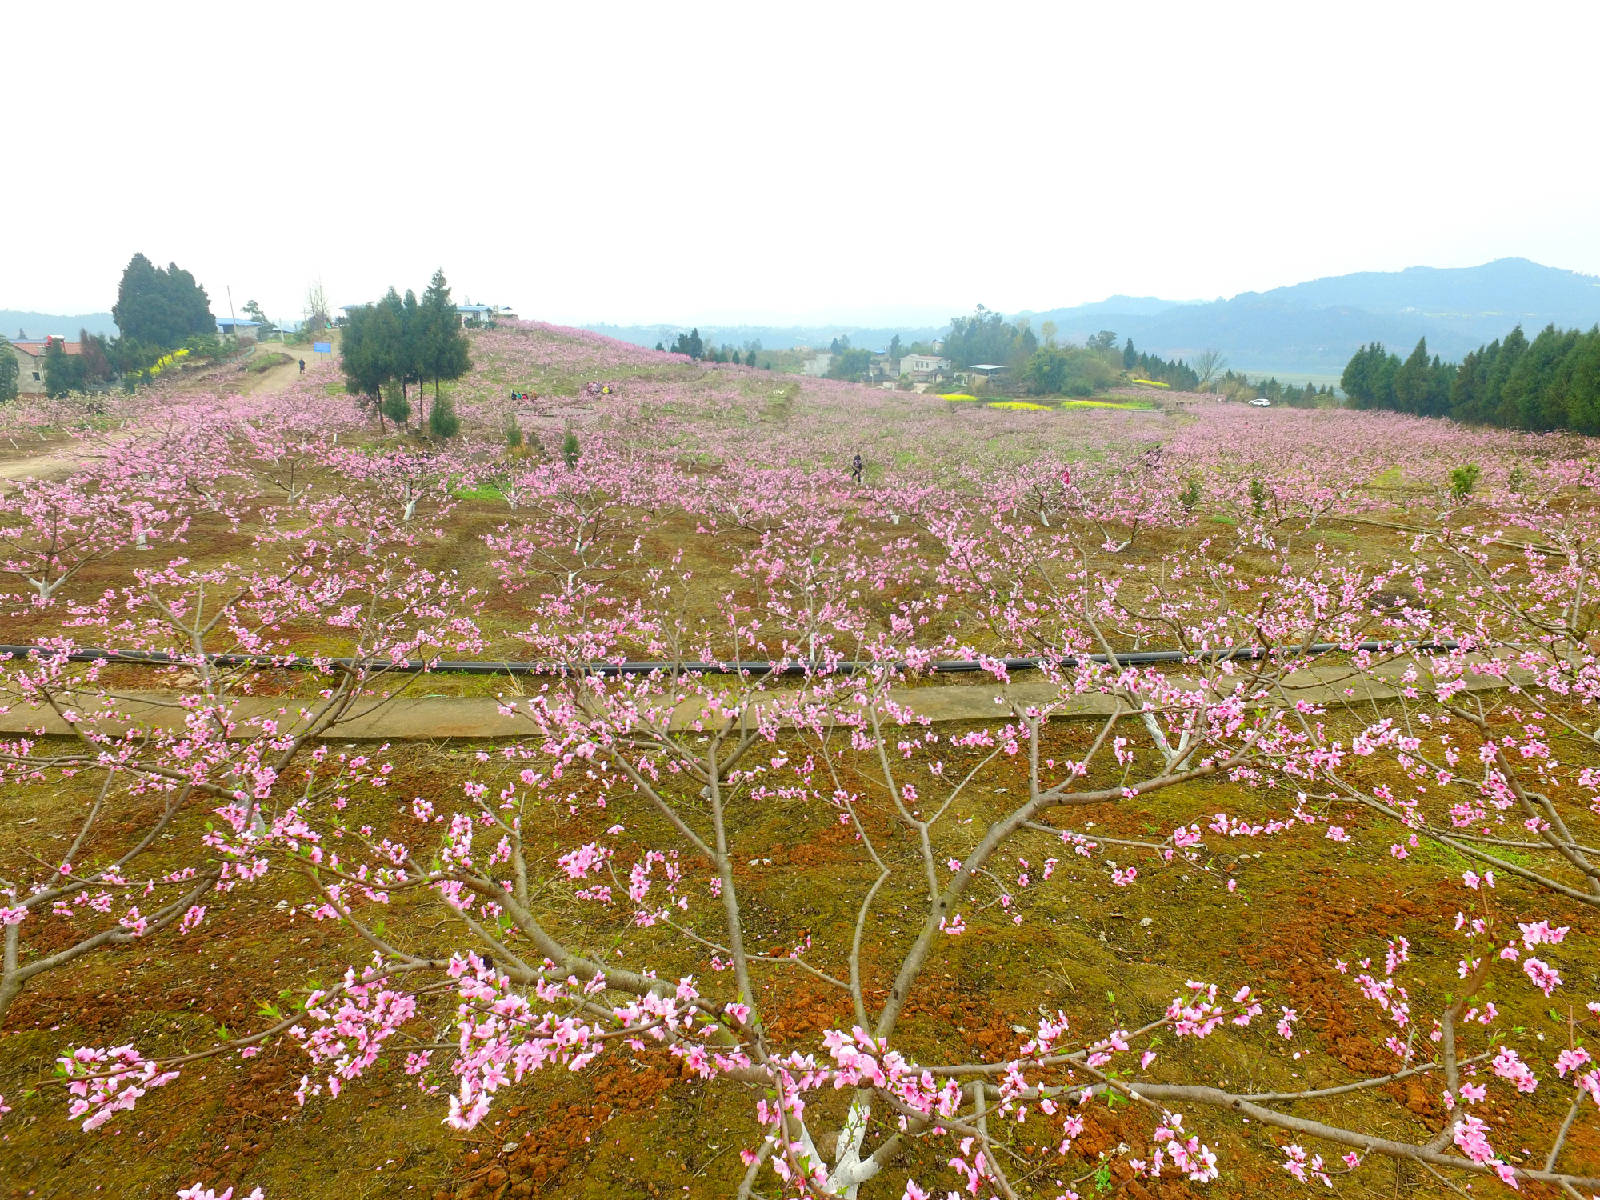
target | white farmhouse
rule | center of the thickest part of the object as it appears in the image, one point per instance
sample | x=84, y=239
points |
x=923, y=367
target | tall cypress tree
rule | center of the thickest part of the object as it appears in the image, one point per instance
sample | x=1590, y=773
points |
x=1583, y=406
x=1411, y=380
x=1511, y=352
x=160, y=309
x=444, y=342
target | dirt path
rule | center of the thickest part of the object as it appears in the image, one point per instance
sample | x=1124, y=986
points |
x=480, y=717
x=273, y=379
x=60, y=459
x=54, y=461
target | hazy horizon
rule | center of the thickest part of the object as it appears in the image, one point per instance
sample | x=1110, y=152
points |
x=884, y=319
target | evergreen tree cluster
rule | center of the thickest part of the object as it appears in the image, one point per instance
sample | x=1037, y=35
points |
x=1173, y=372
x=399, y=341
x=157, y=310
x=696, y=348
x=1552, y=382
x=1176, y=373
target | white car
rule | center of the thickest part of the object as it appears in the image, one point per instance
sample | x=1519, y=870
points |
x=1261, y=402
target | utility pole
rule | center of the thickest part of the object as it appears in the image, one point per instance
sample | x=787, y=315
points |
x=233, y=321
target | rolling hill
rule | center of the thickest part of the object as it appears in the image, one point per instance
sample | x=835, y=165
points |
x=1306, y=330
x=1313, y=328
x=37, y=325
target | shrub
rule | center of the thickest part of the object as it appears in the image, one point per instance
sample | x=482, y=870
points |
x=1189, y=494
x=513, y=434
x=1463, y=480
x=442, y=419
x=208, y=346
x=569, y=449
x=1258, y=497
x=395, y=406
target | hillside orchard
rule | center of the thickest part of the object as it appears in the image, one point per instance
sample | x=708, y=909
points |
x=1310, y=901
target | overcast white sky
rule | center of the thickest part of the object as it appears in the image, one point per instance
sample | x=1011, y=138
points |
x=761, y=162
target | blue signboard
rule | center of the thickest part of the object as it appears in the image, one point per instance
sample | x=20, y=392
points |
x=322, y=347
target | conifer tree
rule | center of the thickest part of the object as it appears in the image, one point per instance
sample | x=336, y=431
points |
x=390, y=344
x=8, y=372
x=159, y=309
x=444, y=342
x=1411, y=381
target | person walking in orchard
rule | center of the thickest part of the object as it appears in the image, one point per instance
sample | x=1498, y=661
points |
x=855, y=469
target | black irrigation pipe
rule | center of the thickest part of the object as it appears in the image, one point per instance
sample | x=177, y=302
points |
x=952, y=666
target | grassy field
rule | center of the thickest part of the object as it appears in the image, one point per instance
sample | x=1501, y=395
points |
x=713, y=507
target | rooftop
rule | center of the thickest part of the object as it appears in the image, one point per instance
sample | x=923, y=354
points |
x=36, y=348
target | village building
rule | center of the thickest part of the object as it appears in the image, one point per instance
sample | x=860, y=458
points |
x=30, y=362
x=242, y=331
x=924, y=367
x=986, y=370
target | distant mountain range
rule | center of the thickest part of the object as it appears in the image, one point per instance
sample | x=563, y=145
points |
x=1314, y=328
x=33, y=326
x=1308, y=330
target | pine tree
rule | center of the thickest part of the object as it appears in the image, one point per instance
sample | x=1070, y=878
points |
x=1583, y=407
x=445, y=348
x=442, y=419
x=401, y=340
x=1511, y=352
x=410, y=349
x=1357, y=378
x=1411, y=381
x=361, y=356
x=157, y=309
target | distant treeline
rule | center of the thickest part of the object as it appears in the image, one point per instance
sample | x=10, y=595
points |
x=1209, y=375
x=1241, y=387
x=700, y=350
x=1172, y=372
x=1552, y=382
